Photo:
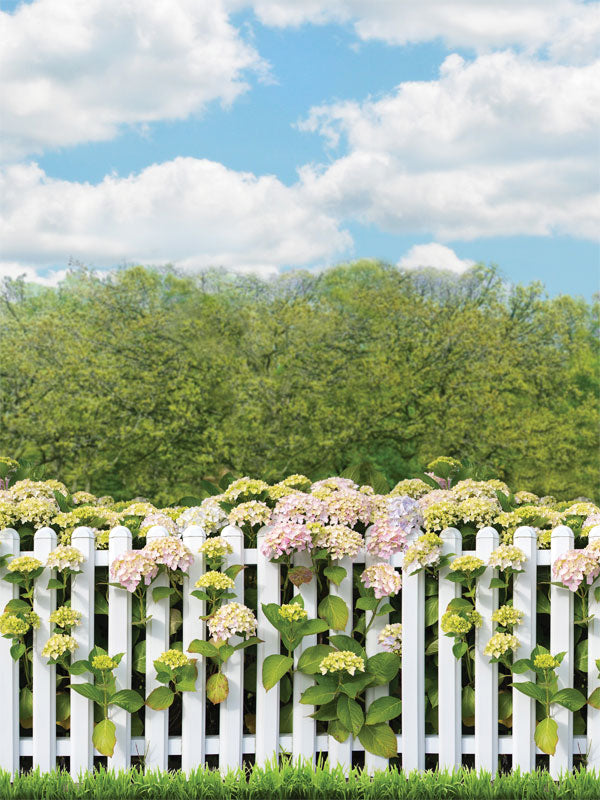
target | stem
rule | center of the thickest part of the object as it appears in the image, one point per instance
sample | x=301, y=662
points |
x=373, y=615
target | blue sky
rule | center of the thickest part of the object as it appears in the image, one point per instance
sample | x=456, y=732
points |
x=269, y=135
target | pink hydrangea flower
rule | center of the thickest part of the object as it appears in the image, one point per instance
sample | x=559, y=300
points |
x=171, y=552
x=573, y=566
x=347, y=507
x=383, y=579
x=339, y=540
x=131, y=567
x=386, y=538
x=285, y=538
x=300, y=508
x=230, y=619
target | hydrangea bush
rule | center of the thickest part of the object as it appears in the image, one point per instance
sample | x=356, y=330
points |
x=328, y=523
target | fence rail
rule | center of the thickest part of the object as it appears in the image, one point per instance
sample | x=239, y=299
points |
x=233, y=743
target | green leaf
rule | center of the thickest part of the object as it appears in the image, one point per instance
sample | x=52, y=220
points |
x=54, y=583
x=355, y=685
x=189, y=501
x=311, y=626
x=531, y=690
x=326, y=712
x=139, y=657
x=88, y=690
x=343, y=642
x=383, y=667
x=335, y=574
x=581, y=656
x=274, y=668
x=161, y=698
x=309, y=661
x=383, y=709
x=350, y=714
x=160, y=592
x=25, y=705
x=521, y=666
x=379, y=739
x=339, y=732
x=185, y=678
x=459, y=604
x=459, y=649
x=15, y=605
x=17, y=650
x=496, y=583
x=316, y=695
x=202, y=647
x=105, y=737
x=367, y=603
x=233, y=571
x=594, y=698
x=79, y=667
x=467, y=703
x=217, y=688
x=128, y=699
x=546, y=735
x=251, y=640
x=569, y=698
x=431, y=611
x=334, y=611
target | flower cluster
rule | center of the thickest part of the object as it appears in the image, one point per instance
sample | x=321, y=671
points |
x=507, y=556
x=65, y=617
x=24, y=564
x=338, y=540
x=348, y=507
x=501, y=643
x=103, y=662
x=440, y=515
x=158, y=518
x=296, y=481
x=244, y=487
x=590, y=522
x=285, y=538
x=83, y=498
x=139, y=508
x=390, y=638
x=64, y=557
x=334, y=484
x=466, y=564
x=574, y=566
x=386, y=538
x=383, y=579
x=507, y=616
x=251, y=513
x=58, y=645
x=214, y=580
x=131, y=567
x=411, y=487
x=300, y=508
x=216, y=547
x=545, y=661
x=342, y=661
x=169, y=551
x=292, y=612
x=456, y=624
x=11, y=625
x=209, y=515
x=424, y=552
x=230, y=619
x=174, y=659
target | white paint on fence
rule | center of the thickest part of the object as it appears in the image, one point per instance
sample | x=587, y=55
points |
x=268, y=582
x=486, y=674
x=449, y=667
x=561, y=639
x=157, y=641
x=82, y=600
x=524, y=599
x=9, y=669
x=119, y=641
x=231, y=718
x=413, y=670
x=193, y=719
x=593, y=714
x=304, y=729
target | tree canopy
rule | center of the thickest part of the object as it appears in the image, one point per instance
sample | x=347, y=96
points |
x=145, y=381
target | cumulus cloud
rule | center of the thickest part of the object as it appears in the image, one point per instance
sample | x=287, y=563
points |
x=570, y=28
x=500, y=145
x=77, y=71
x=435, y=255
x=191, y=212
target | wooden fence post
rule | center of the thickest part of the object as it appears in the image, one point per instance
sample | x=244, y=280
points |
x=9, y=668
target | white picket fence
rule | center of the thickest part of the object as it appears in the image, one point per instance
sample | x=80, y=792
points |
x=232, y=745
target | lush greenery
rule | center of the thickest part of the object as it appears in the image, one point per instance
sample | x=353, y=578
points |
x=145, y=382
x=300, y=782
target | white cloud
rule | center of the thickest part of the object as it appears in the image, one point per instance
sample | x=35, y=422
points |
x=501, y=145
x=14, y=270
x=78, y=71
x=434, y=255
x=569, y=27
x=190, y=212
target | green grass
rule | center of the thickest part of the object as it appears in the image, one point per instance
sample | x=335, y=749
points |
x=298, y=781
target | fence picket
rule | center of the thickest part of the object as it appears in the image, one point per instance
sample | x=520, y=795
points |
x=372, y=646
x=524, y=599
x=593, y=714
x=486, y=674
x=303, y=727
x=341, y=752
x=82, y=600
x=561, y=639
x=119, y=641
x=9, y=669
x=193, y=718
x=157, y=641
x=231, y=715
x=413, y=670
x=44, y=675
x=449, y=667
x=268, y=582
